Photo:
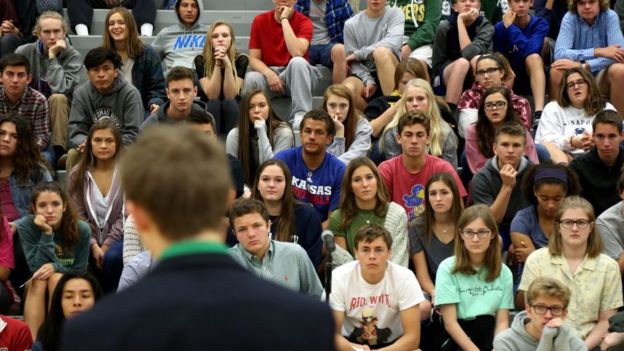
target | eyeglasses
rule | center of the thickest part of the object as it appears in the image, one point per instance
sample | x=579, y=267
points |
x=498, y=104
x=469, y=234
x=554, y=310
x=489, y=71
x=578, y=82
x=580, y=223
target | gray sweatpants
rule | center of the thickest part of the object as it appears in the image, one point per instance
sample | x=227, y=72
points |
x=299, y=78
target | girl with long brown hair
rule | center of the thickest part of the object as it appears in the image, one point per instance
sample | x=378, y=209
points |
x=364, y=200
x=474, y=290
x=55, y=242
x=141, y=64
x=353, y=132
x=291, y=220
x=260, y=134
x=95, y=188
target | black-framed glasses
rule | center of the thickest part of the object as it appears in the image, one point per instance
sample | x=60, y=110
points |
x=554, y=310
x=497, y=104
x=580, y=223
x=488, y=71
x=578, y=82
x=469, y=234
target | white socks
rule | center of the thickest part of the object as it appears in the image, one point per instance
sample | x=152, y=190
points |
x=147, y=29
x=82, y=29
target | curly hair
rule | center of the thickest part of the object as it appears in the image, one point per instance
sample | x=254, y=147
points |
x=69, y=222
x=27, y=160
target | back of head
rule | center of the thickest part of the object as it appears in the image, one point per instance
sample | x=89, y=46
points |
x=99, y=55
x=179, y=177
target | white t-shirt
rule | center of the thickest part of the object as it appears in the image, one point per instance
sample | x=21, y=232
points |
x=558, y=124
x=372, y=312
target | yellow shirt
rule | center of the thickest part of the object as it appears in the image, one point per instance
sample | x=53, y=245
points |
x=596, y=285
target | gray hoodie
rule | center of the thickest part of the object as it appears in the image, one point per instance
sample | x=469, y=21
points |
x=161, y=115
x=123, y=105
x=59, y=75
x=179, y=44
x=516, y=338
x=487, y=183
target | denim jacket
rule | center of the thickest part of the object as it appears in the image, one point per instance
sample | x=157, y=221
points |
x=22, y=192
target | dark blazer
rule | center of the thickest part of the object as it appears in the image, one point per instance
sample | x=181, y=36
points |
x=202, y=302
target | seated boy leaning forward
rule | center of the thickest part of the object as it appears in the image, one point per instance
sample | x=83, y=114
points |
x=541, y=326
x=375, y=302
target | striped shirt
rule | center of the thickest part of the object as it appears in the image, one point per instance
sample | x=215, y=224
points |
x=34, y=106
x=286, y=264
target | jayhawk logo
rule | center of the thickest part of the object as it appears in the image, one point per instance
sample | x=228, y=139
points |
x=415, y=201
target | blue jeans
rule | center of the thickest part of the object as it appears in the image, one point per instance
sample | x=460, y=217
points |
x=113, y=265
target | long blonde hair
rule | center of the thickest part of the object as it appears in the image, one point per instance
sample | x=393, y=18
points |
x=433, y=113
x=209, y=60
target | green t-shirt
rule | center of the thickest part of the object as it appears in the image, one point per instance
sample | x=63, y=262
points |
x=362, y=218
x=473, y=295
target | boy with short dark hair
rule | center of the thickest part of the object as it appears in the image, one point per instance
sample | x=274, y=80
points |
x=375, y=301
x=599, y=168
x=317, y=174
x=181, y=91
x=406, y=175
x=283, y=263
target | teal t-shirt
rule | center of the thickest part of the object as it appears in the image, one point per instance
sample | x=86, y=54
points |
x=473, y=295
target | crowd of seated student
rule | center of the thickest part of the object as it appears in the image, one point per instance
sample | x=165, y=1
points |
x=328, y=181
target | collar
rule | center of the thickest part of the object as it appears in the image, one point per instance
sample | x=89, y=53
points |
x=588, y=264
x=251, y=257
x=192, y=247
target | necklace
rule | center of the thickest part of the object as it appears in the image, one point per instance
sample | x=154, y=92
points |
x=445, y=229
x=368, y=216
